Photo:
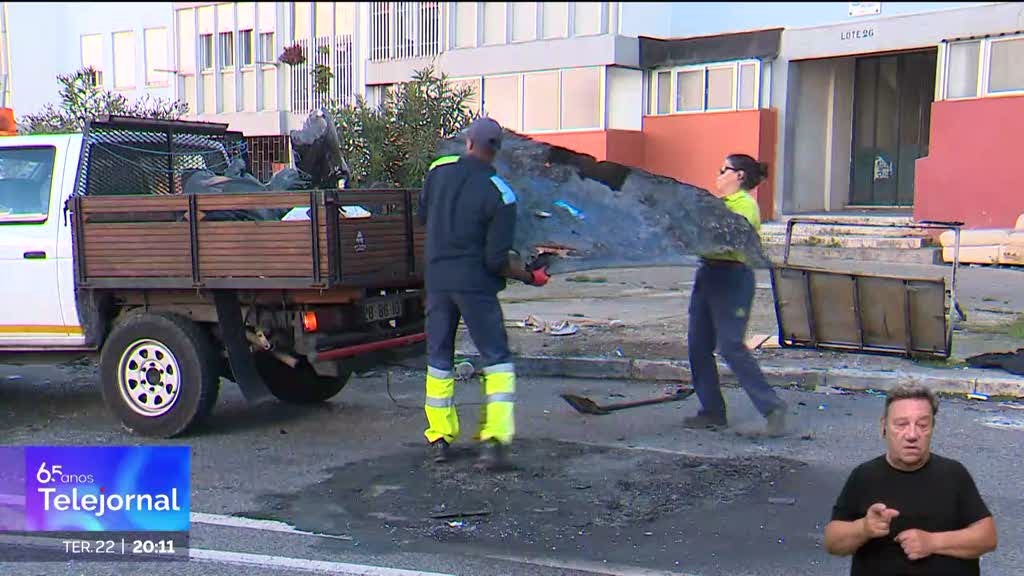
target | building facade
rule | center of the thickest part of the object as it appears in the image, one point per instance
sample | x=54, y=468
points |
x=889, y=107
x=129, y=44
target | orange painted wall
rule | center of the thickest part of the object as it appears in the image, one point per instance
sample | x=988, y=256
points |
x=687, y=147
x=690, y=147
x=971, y=172
x=594, y=142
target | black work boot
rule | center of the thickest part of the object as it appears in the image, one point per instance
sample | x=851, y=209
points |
x=492, y=456
x=439, y=450
x=703, y=421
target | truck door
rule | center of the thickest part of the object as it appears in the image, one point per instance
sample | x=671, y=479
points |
x=30, y=220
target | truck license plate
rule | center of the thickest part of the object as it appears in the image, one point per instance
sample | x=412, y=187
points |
x=382, y=310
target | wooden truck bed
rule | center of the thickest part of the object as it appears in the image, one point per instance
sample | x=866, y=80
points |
x=186, y=241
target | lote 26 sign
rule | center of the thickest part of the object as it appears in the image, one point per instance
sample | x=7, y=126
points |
x=857, y=34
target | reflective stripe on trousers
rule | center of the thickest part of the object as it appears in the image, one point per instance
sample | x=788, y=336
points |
x=442, y=419
x=499, y=413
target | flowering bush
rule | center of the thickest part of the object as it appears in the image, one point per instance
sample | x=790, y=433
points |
x=82, y=100
x=293, y=55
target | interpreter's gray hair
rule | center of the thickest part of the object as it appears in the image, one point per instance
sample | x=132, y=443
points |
x=911, y=392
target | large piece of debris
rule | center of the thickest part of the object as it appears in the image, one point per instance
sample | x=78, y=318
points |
x=607, y=215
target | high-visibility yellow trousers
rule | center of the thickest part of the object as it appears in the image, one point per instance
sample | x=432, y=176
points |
x=442, y=419
x=497, y=419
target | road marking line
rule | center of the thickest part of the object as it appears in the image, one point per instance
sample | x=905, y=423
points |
x=587, y=566
x=254, y=524
x=300, y=564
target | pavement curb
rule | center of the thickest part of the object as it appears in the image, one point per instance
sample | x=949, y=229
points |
x=964, y=382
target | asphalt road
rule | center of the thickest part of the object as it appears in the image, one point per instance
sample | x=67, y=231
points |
x=343, y=487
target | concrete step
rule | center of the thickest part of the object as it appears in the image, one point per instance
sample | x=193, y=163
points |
x=855, y=218
x=856, y=241
x=778, y=228
x=808, y=255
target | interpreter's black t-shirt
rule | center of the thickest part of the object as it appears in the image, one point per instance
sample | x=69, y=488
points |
x=939, y=497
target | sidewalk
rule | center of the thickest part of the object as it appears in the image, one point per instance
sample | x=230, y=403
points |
x=631, y=324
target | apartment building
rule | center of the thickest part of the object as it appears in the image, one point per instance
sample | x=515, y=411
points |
x=892, y=106
x=129, y=44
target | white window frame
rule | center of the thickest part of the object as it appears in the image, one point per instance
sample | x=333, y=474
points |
x=570, y=25
x=984, y=69
x=135, y=60
x=734, y=65
x=602, y=111
x=240, y=48
x=146, y=63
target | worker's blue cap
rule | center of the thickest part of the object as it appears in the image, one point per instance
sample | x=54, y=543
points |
x=485, y=132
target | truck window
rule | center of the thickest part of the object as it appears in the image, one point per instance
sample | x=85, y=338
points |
x=25, y=178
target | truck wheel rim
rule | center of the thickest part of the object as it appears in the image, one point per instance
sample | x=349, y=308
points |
x=149, y=378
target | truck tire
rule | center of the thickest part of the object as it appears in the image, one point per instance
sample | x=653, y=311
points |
x=180, y=384
x=299, y=385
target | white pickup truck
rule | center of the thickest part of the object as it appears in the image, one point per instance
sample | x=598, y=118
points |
x=104, y=254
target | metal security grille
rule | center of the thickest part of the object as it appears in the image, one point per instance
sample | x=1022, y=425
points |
x=403, y=30
x=138, y=156
x=336, y=54
x=265, y=152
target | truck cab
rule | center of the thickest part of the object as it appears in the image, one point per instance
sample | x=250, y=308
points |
x=109, y=252
x=37, y=303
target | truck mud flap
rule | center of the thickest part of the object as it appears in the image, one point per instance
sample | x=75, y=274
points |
x=229, y=316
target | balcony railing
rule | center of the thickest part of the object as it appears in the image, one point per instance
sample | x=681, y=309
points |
x=404, y=30
x=337, y=54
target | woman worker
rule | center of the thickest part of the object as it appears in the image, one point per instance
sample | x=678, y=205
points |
x=720, y=310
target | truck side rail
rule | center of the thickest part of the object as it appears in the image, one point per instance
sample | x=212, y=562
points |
x=242, y=240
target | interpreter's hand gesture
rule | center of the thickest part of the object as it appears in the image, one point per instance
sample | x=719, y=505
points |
x=916, y=543
x=878, y=519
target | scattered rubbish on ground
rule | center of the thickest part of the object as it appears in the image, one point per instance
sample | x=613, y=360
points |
x=618, y=352
x=545, y=510
x=14, y=377
x=822, y=406
x=541, y=214
x=783, y=501
x=455, y=524
x=977, y=396
x=561, y=328
x=585, y=405
x=442, y=513
x=873, y=392
x=1011, y=405
x=464, y=371
x=1004, y=422
x=830, y=390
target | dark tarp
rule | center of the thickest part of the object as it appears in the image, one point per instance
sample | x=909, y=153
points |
x=1012, y=362
x=666, y=52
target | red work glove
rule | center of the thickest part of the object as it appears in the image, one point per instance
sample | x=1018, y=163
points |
x=540, y=276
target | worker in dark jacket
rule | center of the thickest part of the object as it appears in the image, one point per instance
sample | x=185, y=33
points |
x=720, y=310
x=470, y=216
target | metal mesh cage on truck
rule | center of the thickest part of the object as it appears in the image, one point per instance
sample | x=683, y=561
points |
x=123, y=155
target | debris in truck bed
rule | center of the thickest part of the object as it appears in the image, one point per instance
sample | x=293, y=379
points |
x=606, y=215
